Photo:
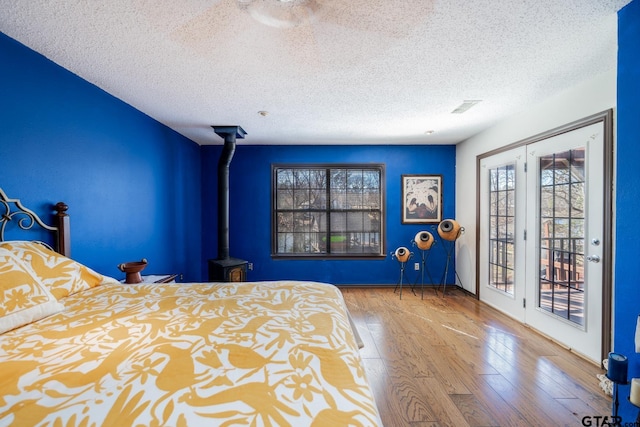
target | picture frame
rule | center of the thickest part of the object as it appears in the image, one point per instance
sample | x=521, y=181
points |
x=421, y=199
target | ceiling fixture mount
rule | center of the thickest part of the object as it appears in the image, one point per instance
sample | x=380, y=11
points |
x=466, y=104
x=281, y=13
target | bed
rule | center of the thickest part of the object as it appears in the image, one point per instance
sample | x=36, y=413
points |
x=80, y=349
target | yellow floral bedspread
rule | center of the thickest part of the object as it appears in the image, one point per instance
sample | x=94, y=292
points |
x=254, y=354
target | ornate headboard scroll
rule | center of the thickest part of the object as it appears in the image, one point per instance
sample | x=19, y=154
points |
x=26, y=219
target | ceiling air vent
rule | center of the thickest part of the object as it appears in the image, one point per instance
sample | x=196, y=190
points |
x=466, y=104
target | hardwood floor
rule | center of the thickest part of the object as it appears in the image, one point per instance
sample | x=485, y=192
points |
x=455, y=361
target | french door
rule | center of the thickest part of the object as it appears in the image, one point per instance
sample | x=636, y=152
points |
x=542, y=233
x=502, y=257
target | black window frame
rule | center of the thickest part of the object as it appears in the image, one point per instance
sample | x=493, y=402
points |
x=323, y=246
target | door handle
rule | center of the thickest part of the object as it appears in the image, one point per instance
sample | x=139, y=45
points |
x=593, y=258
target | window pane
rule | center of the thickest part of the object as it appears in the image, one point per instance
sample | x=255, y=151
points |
x=354, y=180
x=339, y=179
x=493, y=227
x=285, y=221
x=561, y=227
x=284, y=179
x=493, y=202
x=365, y=243
x=371, y=222
x=577, y=229
x=338, y=198
x=304, y=222
x=493, y=180
x=284, y=200
x=511, y=203
x=355, y=221
x=577, y=166
x=301, y=178
x=354, y=199
x=493, y=251
x=371, y=180
x=302, y=242
x=371, y=199
x=546, y=174
x=339, y=243
x=502, y=210
x=546, y=202
x=339, y=221
x=301, y=199
x=562, y=167
x=317, y=178
x=285, y=242
x=561, y=198
x=577, y=200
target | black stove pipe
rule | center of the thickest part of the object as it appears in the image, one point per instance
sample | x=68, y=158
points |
x=229, y=133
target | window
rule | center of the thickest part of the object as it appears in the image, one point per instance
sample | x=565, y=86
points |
x=328, y=210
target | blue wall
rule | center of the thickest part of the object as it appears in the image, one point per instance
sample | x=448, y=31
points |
x=132, y=184
x=627, y=280
x=137, y=189
x=250, y=207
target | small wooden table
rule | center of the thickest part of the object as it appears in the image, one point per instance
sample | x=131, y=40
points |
x=157, y=278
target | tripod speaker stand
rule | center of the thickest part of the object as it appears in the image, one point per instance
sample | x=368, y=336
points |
x=423, y=240
x=449, y=231
x=402, y=254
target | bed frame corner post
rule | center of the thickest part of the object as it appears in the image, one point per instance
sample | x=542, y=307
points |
x=64, y=231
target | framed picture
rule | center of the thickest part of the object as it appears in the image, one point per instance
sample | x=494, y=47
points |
x=421, y=199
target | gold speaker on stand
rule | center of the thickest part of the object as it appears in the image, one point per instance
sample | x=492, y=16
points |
x=402, y=254
x=423, y=240
x=449, y=231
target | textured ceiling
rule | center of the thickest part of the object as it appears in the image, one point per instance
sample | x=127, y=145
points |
x=326, y=71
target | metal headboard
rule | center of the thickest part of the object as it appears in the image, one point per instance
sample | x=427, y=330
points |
x=25, y=219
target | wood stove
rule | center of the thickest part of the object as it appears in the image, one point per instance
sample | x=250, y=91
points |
x=225, y=268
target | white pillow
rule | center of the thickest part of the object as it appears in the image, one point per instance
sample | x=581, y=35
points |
x=23, y=297
x=61, y=275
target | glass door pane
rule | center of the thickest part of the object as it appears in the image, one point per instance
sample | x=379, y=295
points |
x=502, y=188
x=562, y=234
